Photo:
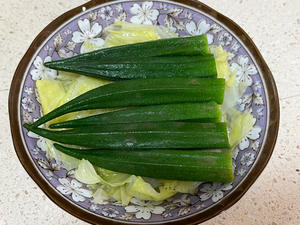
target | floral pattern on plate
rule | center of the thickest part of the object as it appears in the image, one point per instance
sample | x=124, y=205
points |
x=87, y=29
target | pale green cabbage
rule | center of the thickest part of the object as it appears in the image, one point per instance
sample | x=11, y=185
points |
x=86, y=173
x=121, y=33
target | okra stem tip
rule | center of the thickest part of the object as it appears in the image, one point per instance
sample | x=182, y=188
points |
x=27, y=126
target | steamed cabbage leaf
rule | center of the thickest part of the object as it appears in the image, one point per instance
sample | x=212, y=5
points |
x=122, y=33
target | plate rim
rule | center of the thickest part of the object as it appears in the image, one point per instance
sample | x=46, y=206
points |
x=226, y=202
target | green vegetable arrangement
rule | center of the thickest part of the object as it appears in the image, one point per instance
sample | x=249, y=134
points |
x=143, y=92
x=148, y=148
x=198, y=112
x=160, y=58
x=161, y=163
x=174, y=135
x=166, y=121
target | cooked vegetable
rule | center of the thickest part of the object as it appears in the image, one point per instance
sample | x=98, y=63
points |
x=144, y=190
x=200, y=112
x=196, y=45
x=190, y=135
x=197, y=165
x=86, y=173
x=144, y=67
x=139, y=187
x=122, y=33
x=65, y=88
x=123, y=187
x=221, y=58
x=237, y=132
x=112, y=178
x=114, y=185
x=143, y=92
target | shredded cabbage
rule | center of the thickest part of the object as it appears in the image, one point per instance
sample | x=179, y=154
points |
x=180, y=186
x=165, y=33
x=46, y=90
x=100, y=196
x=221, y=57
x=114, y=179
x=86, y=173
x=143, y=190
x=67, y=161
x=108, y=185
x=121, y=33
x=239, y=125
x=91, y=45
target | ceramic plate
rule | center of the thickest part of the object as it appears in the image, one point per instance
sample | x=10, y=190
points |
x=66, y=36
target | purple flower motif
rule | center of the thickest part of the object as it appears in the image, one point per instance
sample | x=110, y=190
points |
x=244, y=70
x=88, y=35
x=109, y=212
x=73, y=188
x=201, y=28
x=28, y=104
x=40, y=72
x=214, y=191
x=106, y=13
